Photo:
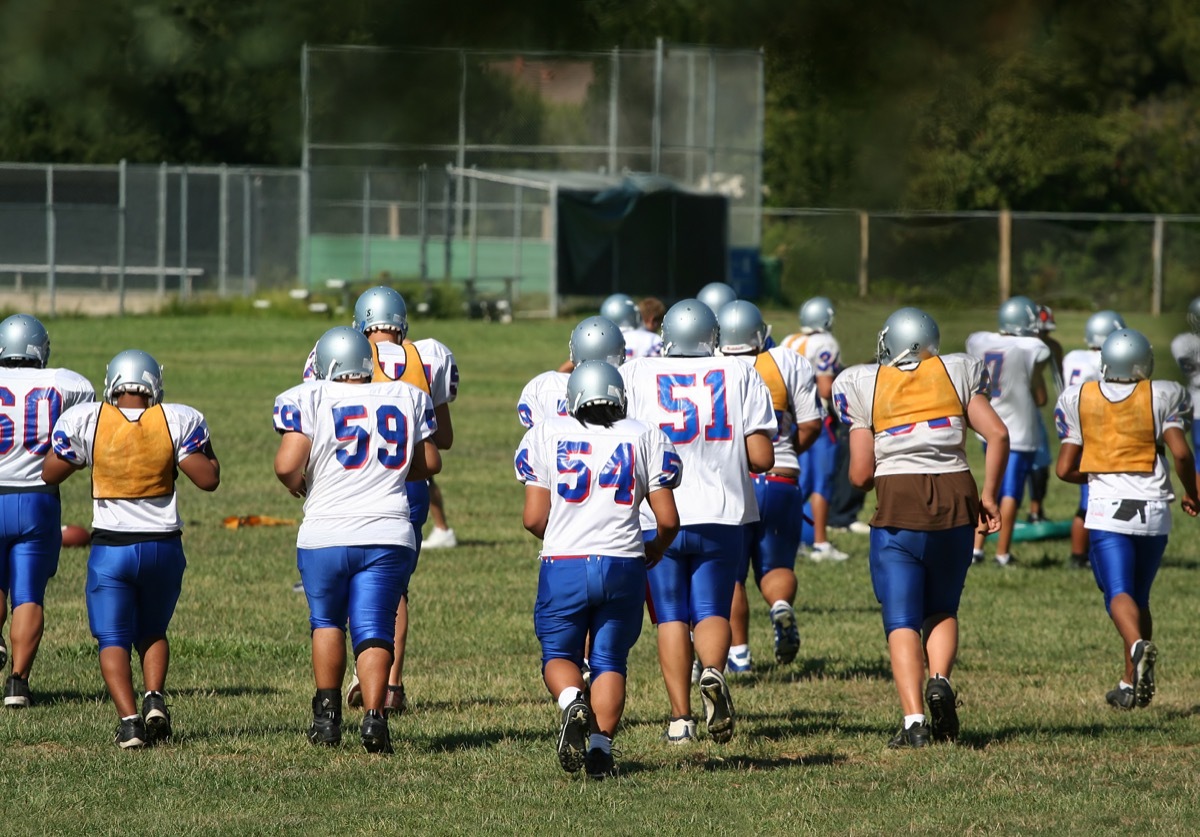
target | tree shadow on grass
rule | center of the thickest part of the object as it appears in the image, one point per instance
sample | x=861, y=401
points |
x=483, y=738
x=818, y=668
x=980, y=740
x=468, y=703
x=742, y=762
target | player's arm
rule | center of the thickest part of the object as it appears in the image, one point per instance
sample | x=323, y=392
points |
x=1185, y=468
x=666, y=516
x=202, y=468
x=983, y=419
x=55, y=469
x=290, y=461
x=806, y=433
x=537, y=509
x=426, y=460
x=825, y=388
x=862, y=458
x=1067, y=467
x=1037, y=383
x=760, y=451
x=443, y=437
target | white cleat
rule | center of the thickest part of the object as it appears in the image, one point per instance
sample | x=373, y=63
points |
x=440, y=539
x=826, y=552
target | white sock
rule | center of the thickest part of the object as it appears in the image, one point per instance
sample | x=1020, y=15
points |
x=1003, y=558
x=941, y=677
x=781, y=604
x=976, y=553
x=132, y=717
x=822, y=546
x=1124, y=685
x=567, y=695
x=739, y=650
x=913, y=720
x=601, y=742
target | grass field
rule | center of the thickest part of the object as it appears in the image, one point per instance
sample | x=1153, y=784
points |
x=1040, y=751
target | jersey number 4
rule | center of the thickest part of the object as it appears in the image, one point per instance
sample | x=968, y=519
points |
x=617, y=473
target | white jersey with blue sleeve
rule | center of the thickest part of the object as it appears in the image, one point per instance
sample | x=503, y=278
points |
x=74, y=434
x=641, y=343
x=31, y=402
x=597, y=478
x=1185, y=348
x=1080, y=366
x=363, y=438
x=819, y=348
x=707, y=406
x=441, y=370
x=542, y=398
x=802, y=403
x=1010, y=361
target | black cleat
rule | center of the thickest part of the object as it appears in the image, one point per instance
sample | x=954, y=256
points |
x=375, y=735
x=158, y=718
x=131, y=733
x=16, y=693
x=1120, y=698
x=1143, y=654
x=914, y=737
x=326, y=726
x=600, y=765
x=573, y=737
x=943, y=709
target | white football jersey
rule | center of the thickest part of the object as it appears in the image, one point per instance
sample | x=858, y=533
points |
x=1010, y=361
x=641, y=343
x=1171, y=405
x=1186, y=350
x=543, y=397
x=820, y=349
x=801, y=386
x=597, y=477
x=74, y=434
x=1081, y=366
x=363, y=437
x=31, y=401
x=441, y=370
x=706, y=406
x=934, y=446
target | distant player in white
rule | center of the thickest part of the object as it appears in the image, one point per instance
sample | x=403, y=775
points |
x=772, y=541
x=1185, y=348
x=348, y=446
x=718, y=414
x=595, y=338
x=1078, y=367
x=1015, y=360
x=815, y=342
x=136, y=447
x=1113, y=432
x=1039, y=473
x=639, y=341
x=585, y=479
x=908, y=416
x=32, y=397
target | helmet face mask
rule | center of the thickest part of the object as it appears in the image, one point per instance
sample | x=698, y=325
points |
x=343, y=352
x=622, y=310
x=24, y=338
x=136, y=372
x=595, y=382
x=1126, y=356
x=816, y=315
x=1019, y=316
x=741, y=328
x=716, y=295
x=597, y=338
x=1099, y=326
x=908, y=335
x=381, y=308
x=689, y=330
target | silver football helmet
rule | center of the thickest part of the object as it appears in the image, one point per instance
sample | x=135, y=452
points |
x=716, y=295
x=1193, y=315
x=689, y=329
x=597, y=338
x=742, y=330
x=383, y=308
x=622, y=310
x=133, y=371
x=908, y=334
x=1100, y=325
x=816, y=315
x=595, y=382
x=1019, y=316
x=1046, y=319
x=23, y=337
x=1126, y=356
x=343, y=352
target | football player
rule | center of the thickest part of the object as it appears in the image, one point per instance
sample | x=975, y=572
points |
x=641, y=340
x=1113, y=432
x=1185, y=348
x=772, y=541
x=1039, y=473
x=347, y=446
x=1016, y=361
x=908, y=416
x=585, y=478
x=30, y=514
x=718, y=413
x=815, y=342
x=595, y=338
x=136, y=446
x=1078, y=367
x=382, y=315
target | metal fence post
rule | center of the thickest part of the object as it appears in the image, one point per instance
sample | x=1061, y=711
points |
x=461, y=157
x=366, y=224
x=185, y=281
x=423, y=218
x=122, y=208
x=553, y=250
x=1156, y=255
x=1005, y=266
x=51, y=263
x=223, y=233
x=518, y=210
x=162, y=231
x=474, y=234
x=864, y=253
x=656, y=122
x=447, y=211
x=613, y=112
x=246, y=232
x=710, y=138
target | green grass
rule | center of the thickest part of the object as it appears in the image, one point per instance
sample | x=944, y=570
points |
x=1040, y=752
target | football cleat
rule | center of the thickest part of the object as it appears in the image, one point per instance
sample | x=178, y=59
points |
x=574, y=735
x=826, y=552
x=326, y=728
x=787, y=635
x=16, y=693
x=375, y=735
x=131, y=733
x=599, y=764
x=440, y=539
x=157, y=718
x=913, y=737
x=1121, y=697
x=943, y=709
x=1144, y=653
x=395, y=702
x=696, y=669
x=3, y=653
x=738, y=663
x=718, y=705
x=680, y=730
x=354, y=692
